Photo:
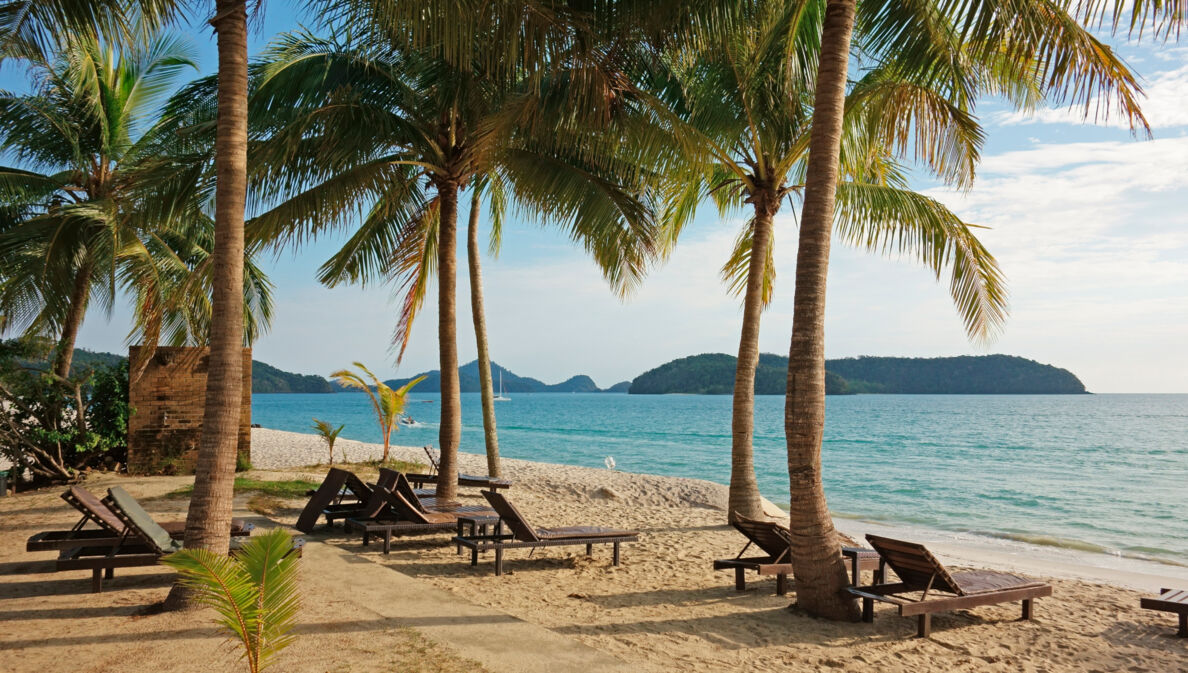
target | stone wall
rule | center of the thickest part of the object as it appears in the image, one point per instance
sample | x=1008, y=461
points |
x=167, y=403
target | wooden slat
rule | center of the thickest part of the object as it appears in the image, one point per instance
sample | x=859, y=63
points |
x=977, y=600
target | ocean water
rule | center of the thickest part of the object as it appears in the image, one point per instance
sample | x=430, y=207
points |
x=1104, y=473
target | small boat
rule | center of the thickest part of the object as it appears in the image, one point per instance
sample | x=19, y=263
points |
x=408, y=422
x=501, y=397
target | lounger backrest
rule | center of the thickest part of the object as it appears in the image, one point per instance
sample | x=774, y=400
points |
x=94, y=509
x=402, y=508
x=915, y=565
x=432, y=459
x=387, y=478
x=769, y=536
x=406, y=491
x=123, y=505
x=356, y=486
x=519, y=526
x=322, y=497
x=375, y=505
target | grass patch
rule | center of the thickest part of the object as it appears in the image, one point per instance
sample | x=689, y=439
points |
x=265, y=505
x=288, y=489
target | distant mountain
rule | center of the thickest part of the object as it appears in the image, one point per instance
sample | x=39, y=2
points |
x=620, y=387
x=713, y=374
x=468, y=379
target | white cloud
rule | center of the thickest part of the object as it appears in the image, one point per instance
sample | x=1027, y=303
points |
x=1165, y=105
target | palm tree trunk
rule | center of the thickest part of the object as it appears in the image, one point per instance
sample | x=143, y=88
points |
x=744, y=489
x=486, y=386
x=208, y=522
x=447, y=340
x=816, y=552
x=64, y=353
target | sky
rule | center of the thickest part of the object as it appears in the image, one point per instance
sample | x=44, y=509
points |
x=1089, y=224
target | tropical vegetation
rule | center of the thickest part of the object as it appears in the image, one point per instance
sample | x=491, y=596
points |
x=329, y=434
x=612, y=119
x=388, y=403
x=253, y=590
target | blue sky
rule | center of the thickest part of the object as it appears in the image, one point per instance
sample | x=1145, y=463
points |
x=1089, y=225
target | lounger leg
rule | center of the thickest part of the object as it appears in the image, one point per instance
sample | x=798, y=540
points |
x=855, y=573
x=923, y=626
x=589, y=549
x=109, y=574
x=868, y=610
x=499, y=560
x=97, y=581
x=616, y=553
x=1027, y=608
x=1183, y=632
x=474, y=555
x=366, y=537
x=740, y=579
x=387, y=541
x=781, y=584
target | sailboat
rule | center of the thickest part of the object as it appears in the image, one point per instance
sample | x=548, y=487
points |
x=501, y=397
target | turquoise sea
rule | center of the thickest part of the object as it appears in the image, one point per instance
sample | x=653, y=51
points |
x=1093, y=472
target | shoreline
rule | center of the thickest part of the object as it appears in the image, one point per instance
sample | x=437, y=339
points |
x=286, y=450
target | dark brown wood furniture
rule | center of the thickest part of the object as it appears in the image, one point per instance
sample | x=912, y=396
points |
x=388, y=514
x=110, y=530
x=1170, y=600
x=939, y=590
x=776, y=543
x=340, y=496
x=469, y=480
x=525, y=535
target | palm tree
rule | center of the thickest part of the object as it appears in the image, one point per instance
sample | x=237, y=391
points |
x=209, y=515
x=741, y=106
x=486, y=385
x=388, y=403
x=361, y=122
x=1039, y=39
x=97, y=202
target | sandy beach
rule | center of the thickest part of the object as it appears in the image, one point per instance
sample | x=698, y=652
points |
x=663, y=609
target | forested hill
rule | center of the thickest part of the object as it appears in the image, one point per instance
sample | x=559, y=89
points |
x=265, y=377
x=713, y=374
x=965, y=375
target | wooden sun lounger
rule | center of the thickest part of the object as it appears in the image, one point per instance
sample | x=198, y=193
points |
x=388, y=514
x=468, y=480
x=524, y=535
x=340, y=496
x=776, y=542
x=919, y=571
x=1170, y=600
x=111, y=530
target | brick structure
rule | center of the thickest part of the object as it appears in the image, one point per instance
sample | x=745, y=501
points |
x=167, y=403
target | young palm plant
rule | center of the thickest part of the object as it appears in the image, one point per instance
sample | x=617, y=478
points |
x=329, y=433
x=388, y=403
x=254, y=590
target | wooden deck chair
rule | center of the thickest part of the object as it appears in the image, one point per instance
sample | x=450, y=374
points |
x=427, y=504
x=940, y=590
x=389, y=514
x=341, y=495
x=468, y=480
x=775, y=542
x=110, y=530
x=525, y=535
x=1170, y=600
